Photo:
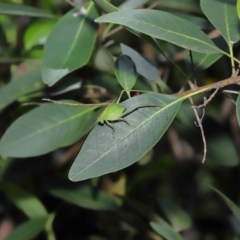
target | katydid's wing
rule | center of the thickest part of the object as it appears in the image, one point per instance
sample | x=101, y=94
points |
x=104, y=153
x=113, y=112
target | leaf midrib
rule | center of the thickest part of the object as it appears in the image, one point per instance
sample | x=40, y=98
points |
x=227, y=25
x=168, y=31
x=77, y=34
x=48, y=128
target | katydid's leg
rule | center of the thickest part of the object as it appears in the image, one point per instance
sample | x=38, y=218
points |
x=111, y=126
x=123, y=119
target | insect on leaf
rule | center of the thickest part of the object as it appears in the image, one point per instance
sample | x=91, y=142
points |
x=104, y=152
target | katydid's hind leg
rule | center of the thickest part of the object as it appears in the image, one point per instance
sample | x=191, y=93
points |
x=123, y=119
x=111, y=126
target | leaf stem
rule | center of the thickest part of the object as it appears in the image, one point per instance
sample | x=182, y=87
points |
x=232, y=60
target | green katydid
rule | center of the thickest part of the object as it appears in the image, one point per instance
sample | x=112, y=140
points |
x=112, y=113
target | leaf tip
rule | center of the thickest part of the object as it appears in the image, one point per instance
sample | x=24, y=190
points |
x=51, y=76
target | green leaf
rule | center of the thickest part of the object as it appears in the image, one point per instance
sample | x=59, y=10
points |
x=223, y=15
x=143, y=65
x=165, y=231
x=17, y=9
x=234, y=208
x=125, y=71
x=202, y=60
x=38, y=32
x=103, y=61
x=45, y=129
x=78, y=36
x=165, y=26
x=178, y=218
x=103, y=152
x=28, y=230
x=20, y=86
x=23, y=200
x=83, y=196
x=238, y=8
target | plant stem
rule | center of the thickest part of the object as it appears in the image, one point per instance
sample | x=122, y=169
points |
x=219, y=84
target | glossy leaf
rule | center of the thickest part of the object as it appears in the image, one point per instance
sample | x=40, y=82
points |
x=165, y=26
x=72, y=42
x=20, y=86
x=23, y=200
x=104, y=152
x=234, y=208
x=22, y=10
x=143, y=65
x=223, y=15
x=45, y=129
x=37, y=33
x=165, y=231
x=83, y=196
x=125, y=71
x=28, y=230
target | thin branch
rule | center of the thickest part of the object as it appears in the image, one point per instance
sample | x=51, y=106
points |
x=153, y=5
x=203, y=114
x=108, y=44
x=77, y=104
x=32, y=103
x=237, y=70
x=206, y=101
x=231, y=91
x=199, y=122
x=219, y=84
x=115, y=30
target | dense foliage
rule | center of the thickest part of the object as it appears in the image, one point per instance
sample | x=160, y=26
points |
x=119, y=119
